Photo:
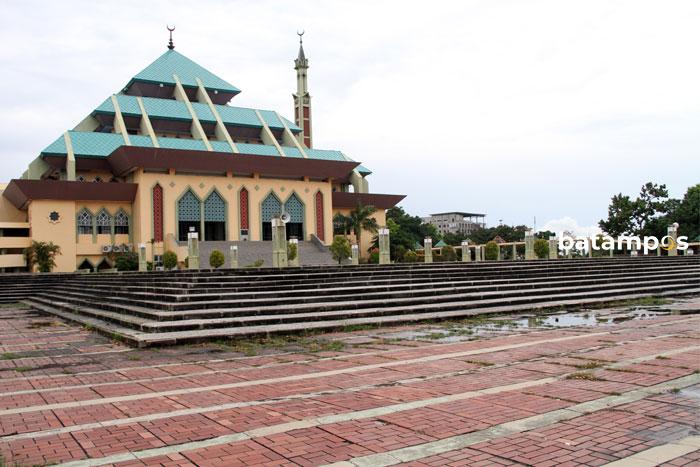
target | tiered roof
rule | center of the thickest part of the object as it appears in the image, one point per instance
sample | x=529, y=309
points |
x=158, y=79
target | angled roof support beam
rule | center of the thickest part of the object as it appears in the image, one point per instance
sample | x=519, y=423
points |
x=289, y=139
x=119, y=125
x=220, y=130
x=146, y=127
x=197, y=130
x=70, y=158
x=267, y=136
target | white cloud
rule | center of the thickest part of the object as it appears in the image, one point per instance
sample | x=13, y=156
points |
x=517, y=109
x=569, y=224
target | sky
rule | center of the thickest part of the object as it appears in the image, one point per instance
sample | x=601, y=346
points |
x=525, y=110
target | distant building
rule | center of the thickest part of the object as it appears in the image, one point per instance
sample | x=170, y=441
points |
x=456, y=222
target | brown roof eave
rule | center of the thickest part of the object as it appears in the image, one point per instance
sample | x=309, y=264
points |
x=127, y=158
x=21, y=192
x=379, y=201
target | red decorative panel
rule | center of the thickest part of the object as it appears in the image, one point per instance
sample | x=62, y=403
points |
x=320, y=230
x=243, y=196
x=158, y=213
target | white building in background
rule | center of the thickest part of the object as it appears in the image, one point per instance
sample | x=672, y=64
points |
x=456, y=222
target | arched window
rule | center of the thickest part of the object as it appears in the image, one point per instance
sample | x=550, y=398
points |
x=103, y=222
x=295, y=208
x=214, y=217
x=271, y=207
x=84, y=221
x=121, y=223
x=189, y=215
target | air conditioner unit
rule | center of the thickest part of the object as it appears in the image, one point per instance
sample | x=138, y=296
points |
x=106, y=248
x=126, y=248
x=117, y=249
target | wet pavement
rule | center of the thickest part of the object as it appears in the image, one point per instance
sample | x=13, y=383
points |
x=616, y=384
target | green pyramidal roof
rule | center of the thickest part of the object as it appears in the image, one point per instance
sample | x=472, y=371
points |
x=174, y=63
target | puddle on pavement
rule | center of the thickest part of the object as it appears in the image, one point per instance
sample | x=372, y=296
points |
x=500, y=324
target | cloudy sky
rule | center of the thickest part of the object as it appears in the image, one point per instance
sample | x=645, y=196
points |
x=514, y=108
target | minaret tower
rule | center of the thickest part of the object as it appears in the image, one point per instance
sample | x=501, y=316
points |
x=302, y=98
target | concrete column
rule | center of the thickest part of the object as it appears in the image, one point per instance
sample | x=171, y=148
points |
x=553, y=248
x=428, y=249
x=294, y=262
x=143, y=264
x=477, y=253
x=589, y=244
x=466, y=254
x=279, y=244
x=233, y=256
x=355, y=252
x=612, y=251
x=498, y=252
x=384, y=256
x=673, y=233
x=530, y=245
x=658, y=251
x=514, y=251
x=192, y=250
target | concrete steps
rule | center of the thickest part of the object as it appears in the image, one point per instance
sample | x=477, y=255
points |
x=185, y=306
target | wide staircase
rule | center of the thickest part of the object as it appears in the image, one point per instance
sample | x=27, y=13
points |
x=162, y=308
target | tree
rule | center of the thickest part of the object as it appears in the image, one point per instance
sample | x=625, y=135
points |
x=169, y=259
x=491, y=250
x=361, y=219
x=341, y=225
x=448, y=253
x=127, y=261
x=42, y=255
x=216, y=259
x=541, y=248
x=340, y=248
x=644, y=215
x=506, y=232
x=687, y=213
x=406, y=230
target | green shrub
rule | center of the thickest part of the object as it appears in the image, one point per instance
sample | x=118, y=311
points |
x=340, y=248
x=127, y=262
x=491, y=251
x=216, y=259
x=541, y=248
x=169, y=260
x=41, y=255
x=374, y=256
x=257, y=264
x=399, y=252
x=448, y=253
x=291, y=251
x=410, y=257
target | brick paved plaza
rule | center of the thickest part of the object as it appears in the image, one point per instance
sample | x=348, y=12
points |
x=507, y=391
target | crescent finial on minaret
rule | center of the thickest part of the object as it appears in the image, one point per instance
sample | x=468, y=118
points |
x=171, y=46
x=300, y=34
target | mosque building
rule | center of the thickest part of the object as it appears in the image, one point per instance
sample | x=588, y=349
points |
x=168, y=155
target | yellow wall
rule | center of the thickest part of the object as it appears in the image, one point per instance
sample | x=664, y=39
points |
x=175, y=185
x=61, y=233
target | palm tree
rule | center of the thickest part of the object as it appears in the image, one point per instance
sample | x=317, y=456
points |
x=360, y=219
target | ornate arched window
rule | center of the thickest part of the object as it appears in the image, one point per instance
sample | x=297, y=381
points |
x=189, y=215
x=121, y=223
x=84, y=221
x=271, y=207
x=214, y=217
x=103, y=222
x=295, y=208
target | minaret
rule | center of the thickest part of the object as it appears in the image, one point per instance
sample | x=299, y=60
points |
x=302, y=99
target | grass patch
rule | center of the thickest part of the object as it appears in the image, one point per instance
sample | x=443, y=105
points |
x=589, y=365
x=661, y=357
x=133, y=358
x=9, y=356
x=674, y=390
x=23, y=369
x=642, y=301
x=584, y=375
x=252, y=347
